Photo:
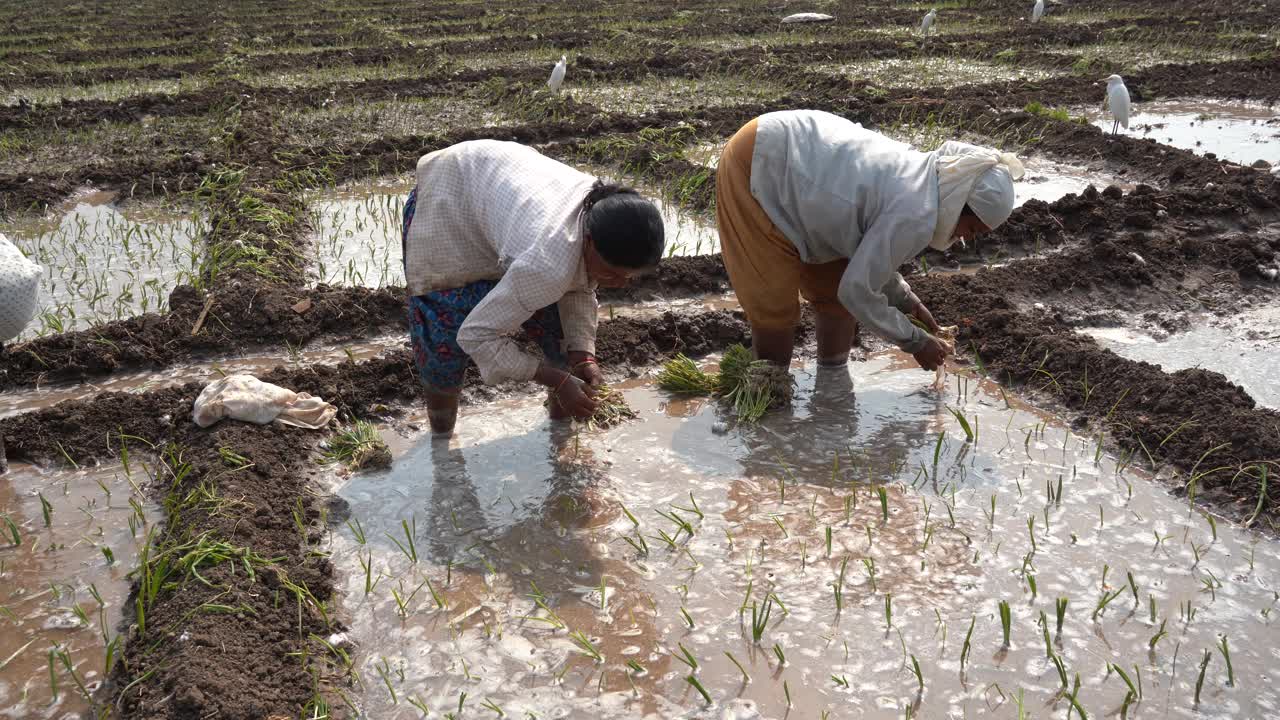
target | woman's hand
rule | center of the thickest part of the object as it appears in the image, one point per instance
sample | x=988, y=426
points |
x=576, y=397
x=934, y=353
x=921, y=313
x=586, y=368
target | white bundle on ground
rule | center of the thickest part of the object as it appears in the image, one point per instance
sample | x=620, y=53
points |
x=245, y=397
x=19, y=290
x=807, y=18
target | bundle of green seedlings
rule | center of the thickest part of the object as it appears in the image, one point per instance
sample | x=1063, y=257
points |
x=358, y=446
x=611, y=409
x=753, y=386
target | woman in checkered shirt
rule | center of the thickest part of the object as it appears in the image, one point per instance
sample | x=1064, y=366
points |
x=499, y=238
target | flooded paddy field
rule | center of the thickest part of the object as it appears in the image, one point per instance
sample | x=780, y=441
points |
x=1080, y=522
x=852, y=556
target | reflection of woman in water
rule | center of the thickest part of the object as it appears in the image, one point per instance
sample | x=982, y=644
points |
x=811, y=204
x=498, y=238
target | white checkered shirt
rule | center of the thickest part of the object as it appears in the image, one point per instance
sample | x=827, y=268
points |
x=490, y=210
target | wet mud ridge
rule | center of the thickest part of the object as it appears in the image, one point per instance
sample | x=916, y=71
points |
x=234, y=610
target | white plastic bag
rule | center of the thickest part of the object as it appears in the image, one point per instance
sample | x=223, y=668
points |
x=807, y=17
x=19, y=290
x=245, y=397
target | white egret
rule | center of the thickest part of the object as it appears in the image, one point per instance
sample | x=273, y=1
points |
x=557, y=74
x=1118, y=103
x=927, y=24
x=1038, y=11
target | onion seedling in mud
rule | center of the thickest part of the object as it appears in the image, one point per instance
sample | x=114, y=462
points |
x=968, y=637
x=1226, y=655
x=693, y=681
x=1006, y=619
x=588, y=648
x=1204, y=665
x=746, y=678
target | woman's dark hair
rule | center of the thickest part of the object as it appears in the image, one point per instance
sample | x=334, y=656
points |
x=626, y=228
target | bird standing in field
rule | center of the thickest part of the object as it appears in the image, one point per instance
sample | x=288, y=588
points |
x=927, y=24
x=1038, y=11
x=557, y=74
x=1118, y=103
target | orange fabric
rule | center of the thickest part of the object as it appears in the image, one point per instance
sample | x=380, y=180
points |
x=764, y=267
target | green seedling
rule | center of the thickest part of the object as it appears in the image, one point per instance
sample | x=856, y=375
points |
x=915, y=670
x=1226, y=656
x=706, y=696
x=408, y=547
x=968, y=637
x=682, y=376
x=585, y=646
x=1006, y=617
x=46, y=509
x=760, y=618
x=884, y=503
x=15, y=537
x=964, y=424
x=778, y=653
x=1204, y=665
x=686, y=657
x=746, y=678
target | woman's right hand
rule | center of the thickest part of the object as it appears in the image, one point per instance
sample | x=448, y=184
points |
x=933, y=354
x=576, y=397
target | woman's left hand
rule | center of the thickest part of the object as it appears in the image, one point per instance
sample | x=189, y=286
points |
x=585, y=368
x=921, y=313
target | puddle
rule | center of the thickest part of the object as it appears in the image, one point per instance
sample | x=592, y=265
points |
x=657, y=308
x=686, y=233
x=934, y=72
x=1240, y=132
x=102, y=262
x=47, y=583
x=1049, y=180
x=357, y=229
x=1241, y=347
x=16, y=402
x=528, y=564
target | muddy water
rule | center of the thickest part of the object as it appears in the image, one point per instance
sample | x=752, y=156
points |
x=103, y=262
x=523, y=532
x=20, y=401
x=1049, y=180
x=686, y=233
x=55, y=571
x=656, y=308
x=1236, y=131
x=1242, y=347
x=357, y=233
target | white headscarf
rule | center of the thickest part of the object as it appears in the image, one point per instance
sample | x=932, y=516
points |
x=980, y=177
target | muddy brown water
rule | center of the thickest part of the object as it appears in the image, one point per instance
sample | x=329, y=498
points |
x=524, y=567
x=1237, y=131
x=1242, y=347
x=55, y=571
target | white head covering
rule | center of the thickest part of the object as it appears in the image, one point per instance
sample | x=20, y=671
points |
x=980, y=177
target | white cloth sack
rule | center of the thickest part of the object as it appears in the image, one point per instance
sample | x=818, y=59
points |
x=19, y=290
x=245, y=397
x=807, y=18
